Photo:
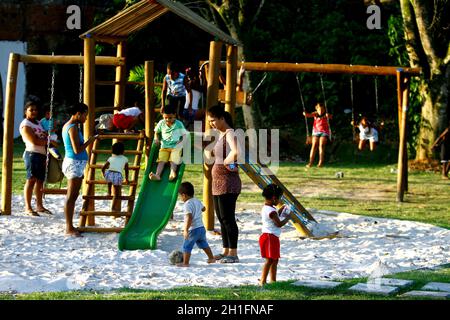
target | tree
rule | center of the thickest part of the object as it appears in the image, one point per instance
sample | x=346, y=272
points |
x=426, y=30
x=239, y=17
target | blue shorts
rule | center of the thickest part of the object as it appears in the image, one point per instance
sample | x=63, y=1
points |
x=320, y=134
x=196, y=236
x=35, y=165
x=114, y=177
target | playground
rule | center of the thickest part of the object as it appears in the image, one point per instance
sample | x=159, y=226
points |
x=37, y=257
x=357, y=215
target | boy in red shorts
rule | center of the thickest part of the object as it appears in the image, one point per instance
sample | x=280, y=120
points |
x=269, y=241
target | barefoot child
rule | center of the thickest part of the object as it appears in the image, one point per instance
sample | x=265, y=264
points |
x=194, y=232
x=269, y=241
x=112, y=171
x=169, y=132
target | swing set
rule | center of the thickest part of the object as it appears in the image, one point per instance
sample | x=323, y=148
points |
x=403, y=76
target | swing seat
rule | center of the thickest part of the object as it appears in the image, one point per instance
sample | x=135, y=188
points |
x=54, y=174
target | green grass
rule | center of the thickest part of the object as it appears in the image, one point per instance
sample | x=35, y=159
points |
x=283, y=290
x=366, y=189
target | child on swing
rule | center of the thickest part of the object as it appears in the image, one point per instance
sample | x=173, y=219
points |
x=367, y=132
x=320, y=134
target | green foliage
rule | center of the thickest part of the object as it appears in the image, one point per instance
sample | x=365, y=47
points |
x=137, y=74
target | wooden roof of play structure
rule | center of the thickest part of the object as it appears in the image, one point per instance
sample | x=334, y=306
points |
x=137, y=16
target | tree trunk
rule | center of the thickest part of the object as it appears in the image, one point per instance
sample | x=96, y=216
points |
x=434, y=113
x=428, y=46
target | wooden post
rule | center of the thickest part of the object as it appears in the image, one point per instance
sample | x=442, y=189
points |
x=402, y=152
x=8, y=134
x=119, y=93
x=149, y=103
x=212, y=96
x=89, y=100
x=231, y=76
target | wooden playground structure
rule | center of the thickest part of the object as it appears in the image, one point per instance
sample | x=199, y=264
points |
x=115, y=31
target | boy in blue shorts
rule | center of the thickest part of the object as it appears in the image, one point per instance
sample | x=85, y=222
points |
x=193, y=232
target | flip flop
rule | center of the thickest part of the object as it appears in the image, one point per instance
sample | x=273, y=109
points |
x=32, y=213
x=230, y=259
x=219, y=256
x=45, y=211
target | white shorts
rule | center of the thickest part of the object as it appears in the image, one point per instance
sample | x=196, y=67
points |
x=372, y=136
x=73, y=168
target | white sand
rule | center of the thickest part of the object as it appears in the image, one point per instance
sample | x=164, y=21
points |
x=36, y=256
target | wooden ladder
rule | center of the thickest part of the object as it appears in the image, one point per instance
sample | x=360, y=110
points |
x=88, y=212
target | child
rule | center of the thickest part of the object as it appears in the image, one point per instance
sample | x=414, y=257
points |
x=320, y=134
x=48, y=124
x=127, y=119
x=193, y=232
x=269, y=241
x=191, y=107
x=175, y=88
x=169, y=132
x=112, y=171
x=444, y=141
x=366, y=132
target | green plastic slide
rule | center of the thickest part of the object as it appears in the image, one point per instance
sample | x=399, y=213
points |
x=153, y=208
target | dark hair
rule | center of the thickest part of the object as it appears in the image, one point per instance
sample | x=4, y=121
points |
x=272, y=190
x=29, y=104
x=186, y=188
x=78, y=107
x=219, y=112
x=170, y=109
x=173, y=66
x=118, y=148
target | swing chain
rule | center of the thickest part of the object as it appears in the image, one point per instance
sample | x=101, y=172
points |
x=325, y=103
x=80, y=94
x=50, y=127
x=353, y=108
x=376, y=93
x=303, y=104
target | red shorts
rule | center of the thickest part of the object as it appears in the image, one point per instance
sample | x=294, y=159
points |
x=122, y=121
x=270, y=246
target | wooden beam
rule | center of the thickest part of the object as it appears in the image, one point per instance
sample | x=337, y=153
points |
x=402, y=173
x=8, y=134
x=119, y=92
x=231, y=76
x=326, y=68
x=89, y=100
x=99, y=60
x=150, y=117
x=212, y=95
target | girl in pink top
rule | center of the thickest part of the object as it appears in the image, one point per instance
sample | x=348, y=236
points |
x=321, y=133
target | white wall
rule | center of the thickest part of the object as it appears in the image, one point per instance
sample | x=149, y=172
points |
x=6, y=47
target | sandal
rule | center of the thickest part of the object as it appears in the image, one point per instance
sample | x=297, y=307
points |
x=230, y=259
x=219, y=256
x=32, y=213
x=45, y=211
